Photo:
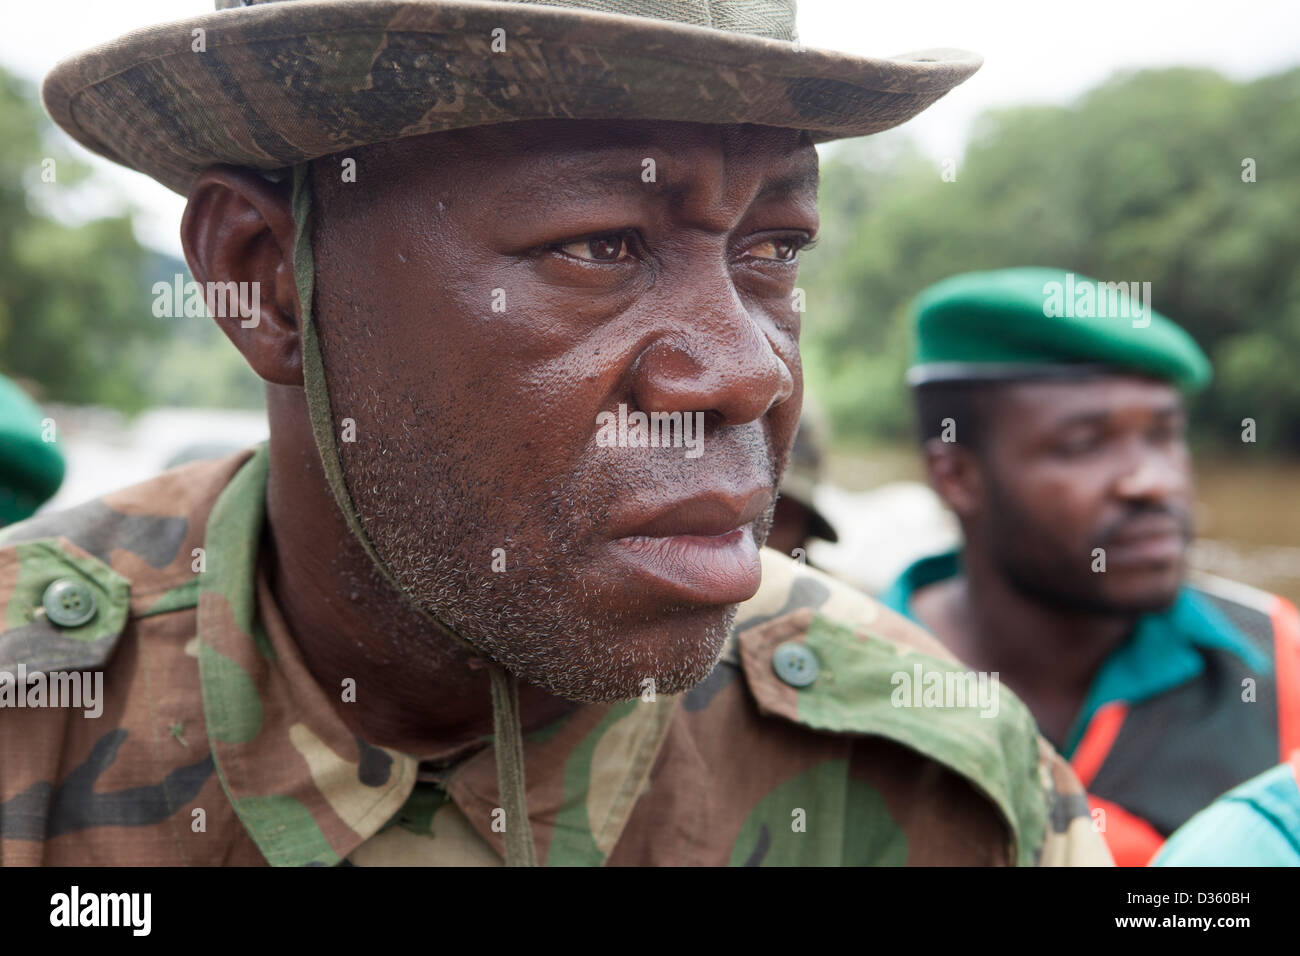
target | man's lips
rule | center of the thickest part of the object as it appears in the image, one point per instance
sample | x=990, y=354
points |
x=698, y=551
x=704, y=515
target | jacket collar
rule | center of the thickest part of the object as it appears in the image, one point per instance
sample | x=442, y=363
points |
x=309, y=791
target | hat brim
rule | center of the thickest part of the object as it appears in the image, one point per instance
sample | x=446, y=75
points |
x=819, y=527
x=282, y=83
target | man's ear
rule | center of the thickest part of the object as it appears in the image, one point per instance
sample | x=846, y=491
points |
x=956, y=475
x=238, y=227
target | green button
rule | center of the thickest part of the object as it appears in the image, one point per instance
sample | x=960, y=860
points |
x=795, y=664
x=69, y=602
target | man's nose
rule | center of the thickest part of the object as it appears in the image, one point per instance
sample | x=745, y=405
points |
x=1152, y=475
x=717, y=360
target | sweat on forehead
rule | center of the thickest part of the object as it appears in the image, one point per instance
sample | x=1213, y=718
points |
x=572, y=152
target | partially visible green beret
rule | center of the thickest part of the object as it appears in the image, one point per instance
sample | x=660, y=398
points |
x=31, y=469
x=1033, y=322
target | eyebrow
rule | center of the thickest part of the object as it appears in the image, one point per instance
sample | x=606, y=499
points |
x=609, y=173
x=598, y=173
x=1100, y=417
x=806, y=179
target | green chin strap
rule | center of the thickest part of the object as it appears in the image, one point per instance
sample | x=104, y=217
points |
x=509, y=743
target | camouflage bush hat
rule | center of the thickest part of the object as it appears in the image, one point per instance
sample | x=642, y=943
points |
x=268, y=84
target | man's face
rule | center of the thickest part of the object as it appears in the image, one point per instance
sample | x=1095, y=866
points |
x=488, y=299
x=1077, y=467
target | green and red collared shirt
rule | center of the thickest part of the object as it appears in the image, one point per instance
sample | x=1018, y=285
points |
x=1199, y=698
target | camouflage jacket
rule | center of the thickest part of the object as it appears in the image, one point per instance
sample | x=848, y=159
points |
x=214, y=745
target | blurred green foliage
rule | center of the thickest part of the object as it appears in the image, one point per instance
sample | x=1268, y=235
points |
x=70, y=316
x=76, y=306
x=1140, y=180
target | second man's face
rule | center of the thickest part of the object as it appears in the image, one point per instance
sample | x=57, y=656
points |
x=1089, y=498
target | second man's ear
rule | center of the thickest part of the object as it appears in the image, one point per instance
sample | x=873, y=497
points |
x=954, y=473
x=238, y=236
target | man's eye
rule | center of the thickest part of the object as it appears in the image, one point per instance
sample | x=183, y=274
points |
x=779, y=248
x=1079, y=444
x=610, y=248
x=1167, y=433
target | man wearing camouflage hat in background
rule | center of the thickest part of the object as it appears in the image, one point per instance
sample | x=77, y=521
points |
x=797, y=518
x=437, y=619
x=1052, y=424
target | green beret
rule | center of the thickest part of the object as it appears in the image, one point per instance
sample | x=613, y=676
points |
x=1046, y=323
x=31, y=469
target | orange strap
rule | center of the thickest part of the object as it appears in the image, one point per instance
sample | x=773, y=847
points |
x=1097, y=740
x=1132, y=841
x=1286, y=666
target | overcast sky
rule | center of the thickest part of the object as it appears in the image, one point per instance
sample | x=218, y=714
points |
x=1034, y=51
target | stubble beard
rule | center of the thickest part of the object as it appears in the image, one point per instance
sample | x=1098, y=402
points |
x=1055, y=582
x=534, y=619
